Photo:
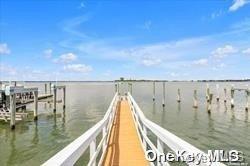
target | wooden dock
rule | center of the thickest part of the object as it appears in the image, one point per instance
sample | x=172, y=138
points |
x=124, y=146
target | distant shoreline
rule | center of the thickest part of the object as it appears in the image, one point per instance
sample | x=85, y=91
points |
x=227, y=80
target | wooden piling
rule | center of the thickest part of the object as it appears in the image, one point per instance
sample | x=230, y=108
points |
x=154, y=91
x=164, y=94
x=178, y=95
x=247, y=99
x=116, y=88
x=131, y=88
x=207, y=93
x=13, y=111
x=225, y=95
x=45, y=88
x=64, y=97
x=232, y=96
x=35, y=104
x=210, y=103
x=54, y=97
x=50, y=88
x=195, y=99
x=218, y=92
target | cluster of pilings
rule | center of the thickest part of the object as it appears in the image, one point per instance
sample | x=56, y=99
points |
x=10, y=95
x=209, y=95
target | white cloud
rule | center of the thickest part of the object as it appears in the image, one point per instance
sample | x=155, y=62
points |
x=246, y=51
x=222, y=52
x=48, y=53
x=237, y=4
x=78, y=68
x=82, y=5
x=66, y=58
x=4, y=50
x=217, y=14
x=7, y=70
x=201, y=62
x=151, y=62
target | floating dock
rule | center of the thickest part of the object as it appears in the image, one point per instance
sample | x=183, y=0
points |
x=15, y=97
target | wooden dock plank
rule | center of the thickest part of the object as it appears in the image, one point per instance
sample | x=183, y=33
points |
x=124, y=146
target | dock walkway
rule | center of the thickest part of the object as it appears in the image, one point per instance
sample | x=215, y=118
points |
x=124, y=146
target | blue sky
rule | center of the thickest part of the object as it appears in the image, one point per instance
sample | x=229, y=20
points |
x=104, y=40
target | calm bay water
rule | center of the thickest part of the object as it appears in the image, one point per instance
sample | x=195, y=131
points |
x=86, y=103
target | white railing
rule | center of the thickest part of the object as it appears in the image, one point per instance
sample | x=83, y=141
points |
x=164, y=137
x=71, y=153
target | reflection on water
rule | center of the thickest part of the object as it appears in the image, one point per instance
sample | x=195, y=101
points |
x=32, y=143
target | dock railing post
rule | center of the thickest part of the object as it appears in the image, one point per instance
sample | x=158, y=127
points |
x=225, y=95
x=195, y=99
x=178, y=95
x=232, y=96
x=247, y=99
x=12, y=111
x=164, y=94
x=35, y=104
x=104, y=134
x=64, y=97
x=161, y=151
x=92, y=149
x=218, y=92
x=144, y=140
x=53, y=87
x=154, y=91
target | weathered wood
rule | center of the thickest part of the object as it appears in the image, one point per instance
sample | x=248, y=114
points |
x=178, y=95
x=35, y=104
x=13, y=111
x=164, y=94
x=154, y=91
x=195, y=99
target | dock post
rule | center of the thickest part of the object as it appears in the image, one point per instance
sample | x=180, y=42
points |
x=154, y=91
x=131, y=88
x=50, y=88
x=35, y=104
x=179, y=95
x=92, y=150
x=225, y=95
x=64, y=97
x=207, y=92
x=232, y=96
x=116, y=88
x=247, y=98
x=210, y=103
x=164, y=94
x=12, y=111
x=45, y=88
x=54, y=97
x=218, y=92
x=195, y=99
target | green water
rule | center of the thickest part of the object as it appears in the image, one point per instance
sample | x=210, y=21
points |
x=33, y=143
